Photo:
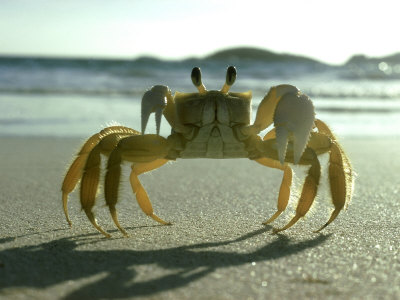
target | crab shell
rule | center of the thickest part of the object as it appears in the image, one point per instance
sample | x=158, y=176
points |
x=212, y=123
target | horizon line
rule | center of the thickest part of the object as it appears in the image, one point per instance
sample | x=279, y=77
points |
x=188, y=57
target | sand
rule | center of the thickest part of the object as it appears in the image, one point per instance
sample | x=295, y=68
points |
x=216, y=247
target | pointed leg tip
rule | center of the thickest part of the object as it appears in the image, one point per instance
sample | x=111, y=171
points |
x=92, y=220
x=273, y=217
x=103, y=232
x=269, y=221
x=125, y=234
x=323, y=227
x=276, y=230
x=159, y=220
x=68, y=221
x=166, y=223
x=114, y=216
x=65, y=201
x=122, y=230
x=335, y=213
x=290, y=224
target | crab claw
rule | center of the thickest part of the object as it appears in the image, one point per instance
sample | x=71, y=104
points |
x=155, y=101
x=293, y=119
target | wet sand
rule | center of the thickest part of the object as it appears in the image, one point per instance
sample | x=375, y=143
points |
x=216, y=247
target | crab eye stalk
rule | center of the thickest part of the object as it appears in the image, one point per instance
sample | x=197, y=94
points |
x=230, y=79
x=231, y=75
x=196, y=79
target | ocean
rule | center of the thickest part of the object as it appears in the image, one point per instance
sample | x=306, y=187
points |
x=78, y=97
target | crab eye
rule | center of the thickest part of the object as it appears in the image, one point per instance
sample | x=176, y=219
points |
x=196, y=76
x=230, y=75
x=196, y=79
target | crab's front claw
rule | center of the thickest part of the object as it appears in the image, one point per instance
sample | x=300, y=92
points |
x=155, y=101
x=292, y=113
x=293, y=120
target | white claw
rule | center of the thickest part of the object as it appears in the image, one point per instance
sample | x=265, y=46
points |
x=282, y=141
x=293, y=119
x=155, y=101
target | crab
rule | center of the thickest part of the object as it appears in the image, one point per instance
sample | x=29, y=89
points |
x=215, y=124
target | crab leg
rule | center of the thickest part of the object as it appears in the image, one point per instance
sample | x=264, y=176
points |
x=111, y=185
x=141, y=194
x=310, y=186
x=75, y=171
x=284, y=191
x=309, y=190
x=91, y=174
x=147, y=151
x=89, y=184
x=340, y=174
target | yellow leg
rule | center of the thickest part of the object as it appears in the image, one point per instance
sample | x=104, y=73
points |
x=111, y=185
x=284, y=192
x=340, y=172
x=324, y=129
x=143, y=150
x=141, y=194
x=270, y=135
x=75, y=171
x=308, y=193
x=341, y=177
x=341, y=181
x=87, y=167
x=89, y=185
x=74, y=174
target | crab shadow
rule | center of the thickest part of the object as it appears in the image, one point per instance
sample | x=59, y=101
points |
x=112, y=274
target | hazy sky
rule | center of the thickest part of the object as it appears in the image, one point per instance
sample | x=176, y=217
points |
x=330, y=31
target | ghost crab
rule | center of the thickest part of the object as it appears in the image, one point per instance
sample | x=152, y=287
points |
x=215, y=124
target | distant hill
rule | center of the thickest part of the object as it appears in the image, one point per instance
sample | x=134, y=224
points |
x=228, y=56
x=252, y=54
x=240, y=53
x=362, y=59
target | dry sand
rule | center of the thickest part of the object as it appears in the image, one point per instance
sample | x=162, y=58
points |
x=216, y=247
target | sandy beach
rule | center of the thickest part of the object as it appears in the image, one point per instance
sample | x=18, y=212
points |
x=216, y=248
